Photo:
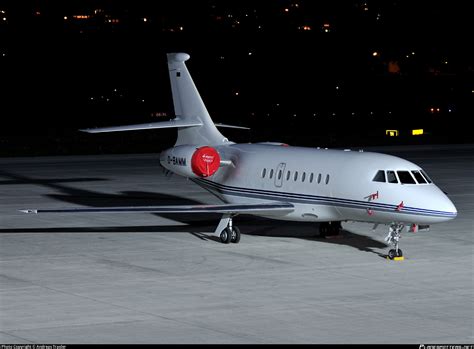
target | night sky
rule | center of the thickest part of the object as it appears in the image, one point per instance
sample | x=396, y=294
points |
x=313, y=73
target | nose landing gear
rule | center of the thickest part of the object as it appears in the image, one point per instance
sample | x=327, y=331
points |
x=393, y=238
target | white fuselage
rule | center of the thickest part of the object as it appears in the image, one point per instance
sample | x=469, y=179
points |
x=326, y=185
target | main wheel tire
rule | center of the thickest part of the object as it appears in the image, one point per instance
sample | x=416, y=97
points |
x=323, y=229
x=400, y=253
x=392, y=254
x=226, y=236
x=235, y=235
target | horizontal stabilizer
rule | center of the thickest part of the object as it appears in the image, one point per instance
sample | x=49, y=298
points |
x=189, y=122
x=233, y=126
x=267, y=208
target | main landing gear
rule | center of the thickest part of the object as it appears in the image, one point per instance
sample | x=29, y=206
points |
x=393, y=237
x=227, y=231
x=329, y=229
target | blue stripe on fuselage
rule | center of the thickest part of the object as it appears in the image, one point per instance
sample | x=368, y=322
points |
x=314, y=199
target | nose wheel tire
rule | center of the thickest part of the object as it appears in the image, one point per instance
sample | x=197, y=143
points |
x=394, y=253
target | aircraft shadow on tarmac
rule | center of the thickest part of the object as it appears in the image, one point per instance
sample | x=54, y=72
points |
x=195, y=224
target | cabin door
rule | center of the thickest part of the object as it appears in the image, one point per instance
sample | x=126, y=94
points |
x=279, y=174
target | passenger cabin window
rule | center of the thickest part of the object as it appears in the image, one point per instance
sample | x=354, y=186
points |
x=303, y=176
x=426, y=176
x=271, y=173
x=379, y=176
x=279, y=174
x=311, y=177
x=405, y=177
x=264, y=171
x=327, y=179
x=419, y=178
x=288, y=174
x=296, y=176
x=319, y=178
x=391, y=177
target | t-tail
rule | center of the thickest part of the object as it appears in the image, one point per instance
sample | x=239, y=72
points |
x=194, y=124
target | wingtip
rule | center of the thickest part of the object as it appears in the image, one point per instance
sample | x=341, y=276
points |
x=29, y=211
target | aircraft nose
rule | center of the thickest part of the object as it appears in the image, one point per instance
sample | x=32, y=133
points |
x=448, y=207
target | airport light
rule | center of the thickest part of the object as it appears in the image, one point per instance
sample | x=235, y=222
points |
x=391, y=133
x=417, y=132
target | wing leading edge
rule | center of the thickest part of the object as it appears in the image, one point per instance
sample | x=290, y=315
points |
x=280, y=208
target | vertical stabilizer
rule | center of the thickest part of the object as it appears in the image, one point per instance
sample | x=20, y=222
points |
x=189, y=105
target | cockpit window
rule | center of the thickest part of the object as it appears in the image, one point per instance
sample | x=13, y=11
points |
x=379, y=176
x=405, y=177
x=426, y=176
x=419, y=178
x=391, y=177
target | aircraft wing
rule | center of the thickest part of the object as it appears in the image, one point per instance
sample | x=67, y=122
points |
x=280, y=208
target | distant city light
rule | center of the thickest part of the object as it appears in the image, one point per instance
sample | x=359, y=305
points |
x=65, y=18
x=145, y=19
x=286, y=10
x=417, y=132
x=81, y=16
x=375, y=53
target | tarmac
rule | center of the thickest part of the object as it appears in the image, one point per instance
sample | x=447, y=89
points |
x=148, y=278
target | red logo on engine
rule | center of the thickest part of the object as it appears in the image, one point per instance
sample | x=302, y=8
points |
x=205, y=161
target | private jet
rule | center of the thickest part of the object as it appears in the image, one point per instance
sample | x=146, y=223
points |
x=282, y=182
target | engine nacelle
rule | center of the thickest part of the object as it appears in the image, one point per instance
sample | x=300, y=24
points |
x=191, y=161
